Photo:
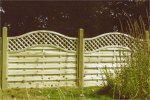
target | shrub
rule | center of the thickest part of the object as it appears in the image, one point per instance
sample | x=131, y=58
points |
x=133, y=79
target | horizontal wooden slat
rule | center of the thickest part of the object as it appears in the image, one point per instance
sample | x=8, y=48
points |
x=41, y=84
x=104, y=61
x=102, y=65
x=108, y=54
x=45, y=49
x=93, y=83
x=88, y=71
x=37, y=72
x=41, y=51
x=113, y=48
x=41, y=78
x=47, y=65
x=93, y=77
x=14, y=60
x=41, y=54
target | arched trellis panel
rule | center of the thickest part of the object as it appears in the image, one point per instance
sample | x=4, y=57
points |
x=42, y=37
x=42, y=59
x=110, y=39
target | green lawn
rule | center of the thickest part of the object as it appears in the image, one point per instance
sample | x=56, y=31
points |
x=63, y=93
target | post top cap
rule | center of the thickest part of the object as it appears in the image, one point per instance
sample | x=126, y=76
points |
x=4, y=27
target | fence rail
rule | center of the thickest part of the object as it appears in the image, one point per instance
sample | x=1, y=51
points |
x=48, y=59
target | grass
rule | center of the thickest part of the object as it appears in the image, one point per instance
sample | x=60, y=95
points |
x=63, y=93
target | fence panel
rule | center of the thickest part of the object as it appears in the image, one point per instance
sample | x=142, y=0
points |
x=42, y=59
x=110, y=50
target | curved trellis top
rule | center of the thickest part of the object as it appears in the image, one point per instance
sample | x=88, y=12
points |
x=109, y=40
x=43, y=37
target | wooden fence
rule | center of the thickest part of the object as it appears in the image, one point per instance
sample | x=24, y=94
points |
x=49, y=59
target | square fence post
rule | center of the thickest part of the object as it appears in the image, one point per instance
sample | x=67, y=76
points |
x=0, y=62
x=4, y=59
x=80, y=57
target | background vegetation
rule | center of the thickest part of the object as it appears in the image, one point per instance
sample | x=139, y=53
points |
x=64, y=16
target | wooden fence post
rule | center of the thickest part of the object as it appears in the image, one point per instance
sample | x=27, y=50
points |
x=0, y=62
x=4, y=58
x=148, y=39
x=80, y=56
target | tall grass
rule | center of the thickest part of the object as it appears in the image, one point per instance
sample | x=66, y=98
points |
x=133, y=79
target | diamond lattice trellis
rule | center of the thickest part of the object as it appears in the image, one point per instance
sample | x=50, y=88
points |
x=109, y=39
x=67, y=43
x=42, y=38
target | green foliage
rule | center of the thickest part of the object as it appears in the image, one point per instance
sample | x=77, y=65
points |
x=133, y=80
